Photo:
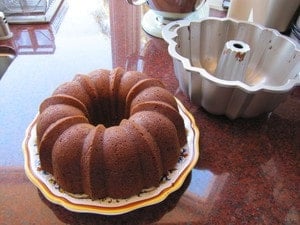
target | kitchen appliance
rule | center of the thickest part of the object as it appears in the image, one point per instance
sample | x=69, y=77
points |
x=275, y=14
x=29, y=11
x=161, y=12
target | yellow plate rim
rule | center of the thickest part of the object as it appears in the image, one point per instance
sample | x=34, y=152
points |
x=119, y=209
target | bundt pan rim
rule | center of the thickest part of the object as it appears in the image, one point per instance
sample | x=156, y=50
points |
x=232, y=98
x=170, y=32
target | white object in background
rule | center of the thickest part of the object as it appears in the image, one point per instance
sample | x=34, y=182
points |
x=23, y=6
x=5, y=32
x=161, y=12
x=295, y=31
x=275, y=14
x=30, y=11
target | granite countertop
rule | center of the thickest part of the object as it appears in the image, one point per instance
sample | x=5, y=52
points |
x=248, y=170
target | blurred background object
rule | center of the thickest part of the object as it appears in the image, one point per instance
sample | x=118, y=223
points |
x=161, y=12
x=295, y=30
x=4, y=28
x=276, y=14
x=29, y=11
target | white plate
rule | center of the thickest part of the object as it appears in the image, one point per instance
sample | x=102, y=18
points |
x=109, y=206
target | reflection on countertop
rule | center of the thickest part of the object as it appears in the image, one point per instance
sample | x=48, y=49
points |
x=247, y=172
x=38, y=38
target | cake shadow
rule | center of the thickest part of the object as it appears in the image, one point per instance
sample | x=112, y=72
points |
x=139, y=216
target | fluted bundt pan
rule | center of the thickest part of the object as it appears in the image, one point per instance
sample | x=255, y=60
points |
x=232, y=68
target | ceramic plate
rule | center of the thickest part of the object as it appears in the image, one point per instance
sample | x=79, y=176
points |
x=109, y=206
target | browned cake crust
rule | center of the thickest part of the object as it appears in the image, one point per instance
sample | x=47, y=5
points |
x=109, y=133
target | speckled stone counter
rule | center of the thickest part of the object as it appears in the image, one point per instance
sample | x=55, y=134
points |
x=248, y=170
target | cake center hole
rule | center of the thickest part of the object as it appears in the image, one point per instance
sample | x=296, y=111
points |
x=238, y=45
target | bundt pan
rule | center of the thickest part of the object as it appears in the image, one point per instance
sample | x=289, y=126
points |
x=233, y=68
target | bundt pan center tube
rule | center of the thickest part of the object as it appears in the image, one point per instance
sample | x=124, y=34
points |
x=109, y=134
x=232, y=68
x=233, y=61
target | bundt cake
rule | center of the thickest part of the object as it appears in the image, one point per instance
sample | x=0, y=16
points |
x=109, y=133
